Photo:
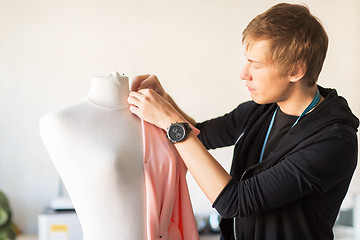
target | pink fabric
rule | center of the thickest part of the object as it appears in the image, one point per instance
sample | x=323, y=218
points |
x=169, y=211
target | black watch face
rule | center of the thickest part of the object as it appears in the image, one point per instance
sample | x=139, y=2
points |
x=176, y=133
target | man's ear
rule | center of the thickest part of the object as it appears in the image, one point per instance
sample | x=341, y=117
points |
x=298, y=72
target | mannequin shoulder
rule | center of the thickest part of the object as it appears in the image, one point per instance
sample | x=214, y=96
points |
x=61, y=117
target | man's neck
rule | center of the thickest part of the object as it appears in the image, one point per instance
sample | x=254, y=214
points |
x=298, y=100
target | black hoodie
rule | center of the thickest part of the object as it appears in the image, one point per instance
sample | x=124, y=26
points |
x=296, y=192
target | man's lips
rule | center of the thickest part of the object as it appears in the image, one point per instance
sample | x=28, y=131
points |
x=250, y=88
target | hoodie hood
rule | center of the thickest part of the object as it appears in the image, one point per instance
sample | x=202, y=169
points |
x=336, y=109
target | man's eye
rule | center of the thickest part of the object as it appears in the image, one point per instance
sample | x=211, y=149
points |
x=257, y=66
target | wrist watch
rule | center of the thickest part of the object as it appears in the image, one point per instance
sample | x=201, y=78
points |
x=178, y=131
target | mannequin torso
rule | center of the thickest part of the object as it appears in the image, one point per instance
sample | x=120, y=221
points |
x=96, y=146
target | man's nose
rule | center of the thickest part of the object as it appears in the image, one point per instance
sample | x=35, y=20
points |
x=244, y=74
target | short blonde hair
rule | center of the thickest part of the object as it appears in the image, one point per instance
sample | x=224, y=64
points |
x=295, y=35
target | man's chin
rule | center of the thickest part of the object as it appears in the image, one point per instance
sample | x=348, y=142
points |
x=260, y=101
x=257, y=100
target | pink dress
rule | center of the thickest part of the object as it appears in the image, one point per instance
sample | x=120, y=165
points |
x=169, y=212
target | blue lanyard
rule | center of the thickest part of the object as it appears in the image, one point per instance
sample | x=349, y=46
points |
x=313, y=103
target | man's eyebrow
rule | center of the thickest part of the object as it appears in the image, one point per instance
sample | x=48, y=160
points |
x=251, y=60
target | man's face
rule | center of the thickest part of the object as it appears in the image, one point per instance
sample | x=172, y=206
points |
x=262, y=77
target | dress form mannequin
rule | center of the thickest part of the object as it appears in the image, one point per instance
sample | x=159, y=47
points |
x=96, y=146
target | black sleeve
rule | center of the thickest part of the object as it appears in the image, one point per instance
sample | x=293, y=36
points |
x=223, y=131
x=316, y=168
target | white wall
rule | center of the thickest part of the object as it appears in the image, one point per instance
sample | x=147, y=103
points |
x=49, y=50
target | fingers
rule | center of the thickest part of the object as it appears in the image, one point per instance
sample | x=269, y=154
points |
x=148, y=81
x=135, y=103
x=140, y=98
x=137, y=80
x=136, y=111
x=151, y=82
x=148, y=105
x=134, y=99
